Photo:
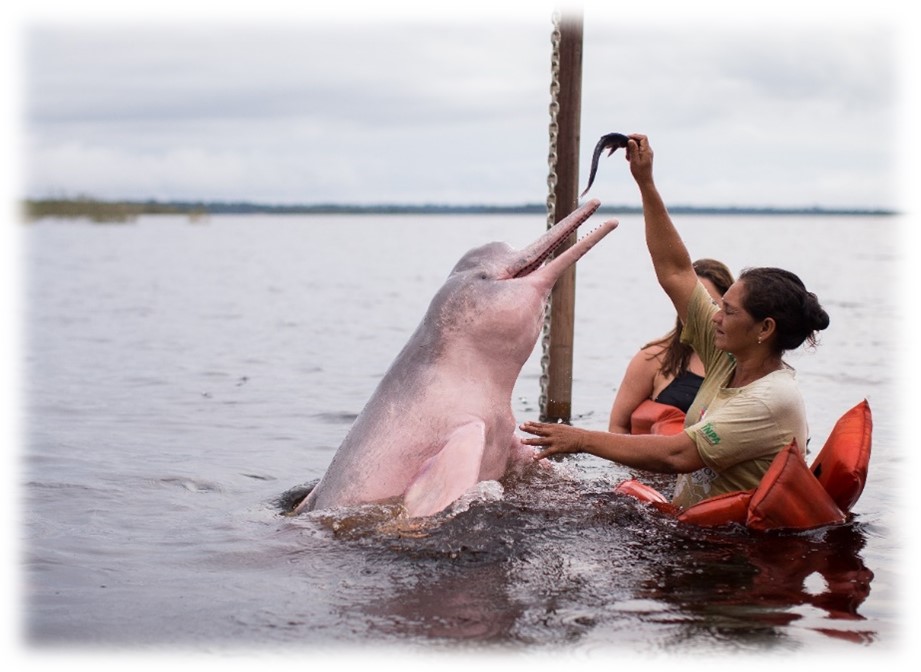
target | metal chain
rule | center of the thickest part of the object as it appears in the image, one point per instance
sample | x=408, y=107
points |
x=551, y=197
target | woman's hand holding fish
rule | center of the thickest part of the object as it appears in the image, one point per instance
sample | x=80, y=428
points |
x=639, y=154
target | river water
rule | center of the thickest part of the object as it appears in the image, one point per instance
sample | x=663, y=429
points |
x=179, y=377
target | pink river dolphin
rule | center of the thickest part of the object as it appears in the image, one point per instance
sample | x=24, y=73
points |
x=441, y=420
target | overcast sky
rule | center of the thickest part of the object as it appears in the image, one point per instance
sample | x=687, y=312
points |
x=350, y=106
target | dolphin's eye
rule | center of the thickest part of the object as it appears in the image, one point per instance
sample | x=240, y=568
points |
x=484, y=276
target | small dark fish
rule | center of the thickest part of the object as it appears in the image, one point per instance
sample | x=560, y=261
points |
x=609, y=142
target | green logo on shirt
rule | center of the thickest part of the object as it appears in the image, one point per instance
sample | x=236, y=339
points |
x=710, y=434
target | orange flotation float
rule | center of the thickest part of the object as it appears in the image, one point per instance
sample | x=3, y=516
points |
x=791, y=495
x=651, y=417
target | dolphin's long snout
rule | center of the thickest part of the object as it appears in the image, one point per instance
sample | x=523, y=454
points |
x=538, y=252
x=555, y=267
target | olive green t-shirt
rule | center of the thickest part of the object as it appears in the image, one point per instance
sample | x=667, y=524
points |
x=737, y=431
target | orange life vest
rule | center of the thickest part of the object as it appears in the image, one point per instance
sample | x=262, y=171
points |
x=791, y=495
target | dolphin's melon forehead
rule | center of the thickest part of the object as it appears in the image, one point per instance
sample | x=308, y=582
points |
x=484, y=255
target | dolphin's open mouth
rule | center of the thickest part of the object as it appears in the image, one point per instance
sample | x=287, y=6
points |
x=539, y=261
x=535, y=254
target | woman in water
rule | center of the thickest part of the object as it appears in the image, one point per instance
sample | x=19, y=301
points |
x=749, y=406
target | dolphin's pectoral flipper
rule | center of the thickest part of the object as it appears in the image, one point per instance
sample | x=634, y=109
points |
x=449, y=473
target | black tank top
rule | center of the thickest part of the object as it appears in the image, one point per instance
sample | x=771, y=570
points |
x=681, y=391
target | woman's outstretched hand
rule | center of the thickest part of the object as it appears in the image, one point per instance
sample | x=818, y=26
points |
x=553, y=439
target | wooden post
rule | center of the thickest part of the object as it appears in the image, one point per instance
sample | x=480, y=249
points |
x=562, y=305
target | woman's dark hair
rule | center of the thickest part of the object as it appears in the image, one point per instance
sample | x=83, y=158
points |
x=781, y=295
x=677, y=355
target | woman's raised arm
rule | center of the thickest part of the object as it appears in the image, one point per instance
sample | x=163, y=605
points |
x=670, y=257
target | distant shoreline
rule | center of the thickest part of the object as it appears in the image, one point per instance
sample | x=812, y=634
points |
x=120, y=211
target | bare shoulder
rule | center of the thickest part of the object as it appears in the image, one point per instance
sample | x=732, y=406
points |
x=653, y=351
x=647, y=361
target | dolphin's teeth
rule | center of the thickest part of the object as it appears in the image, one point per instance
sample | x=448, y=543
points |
x=534, y=265
x=573, y=227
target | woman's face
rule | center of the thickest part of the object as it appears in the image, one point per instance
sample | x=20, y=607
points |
x=736, y=329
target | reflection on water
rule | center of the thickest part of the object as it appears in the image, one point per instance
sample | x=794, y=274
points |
x=771, y=579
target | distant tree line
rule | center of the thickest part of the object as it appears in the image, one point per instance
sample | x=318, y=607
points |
x=127, y=211
x=101, y=211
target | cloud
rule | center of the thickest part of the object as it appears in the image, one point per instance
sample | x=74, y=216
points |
x=455, y=110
